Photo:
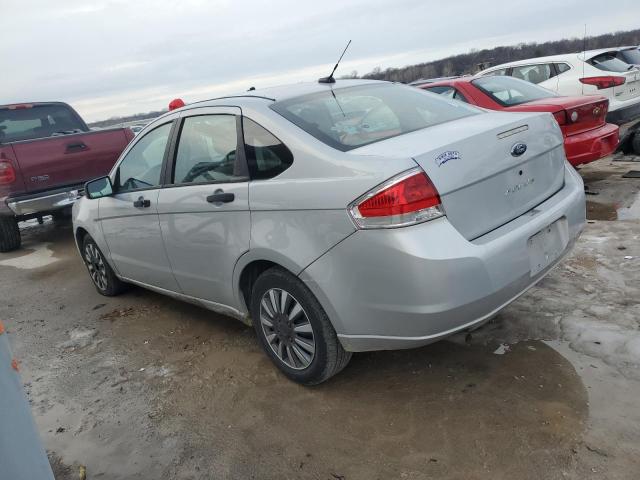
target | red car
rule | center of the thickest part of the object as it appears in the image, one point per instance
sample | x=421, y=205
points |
x=587, y=136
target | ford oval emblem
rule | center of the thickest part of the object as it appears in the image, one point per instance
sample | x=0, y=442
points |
x=518, y=149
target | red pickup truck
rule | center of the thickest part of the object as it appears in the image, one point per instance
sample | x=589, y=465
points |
x=47, y=153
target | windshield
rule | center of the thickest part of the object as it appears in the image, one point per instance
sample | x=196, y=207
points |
x=609, y=63
x=509, y=91
x=347, y=118
x=37, y=121
x=631, y=56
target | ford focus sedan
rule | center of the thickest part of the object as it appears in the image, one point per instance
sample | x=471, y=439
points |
x=335, y=217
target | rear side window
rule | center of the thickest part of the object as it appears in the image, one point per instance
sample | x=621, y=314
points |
x=562, y=67
x=534, y=73
x=509, y=91
x=266, y=155
x=207, y=151
x=609, y=63
x=448, y=92
x=38, y=121
x=347, y=118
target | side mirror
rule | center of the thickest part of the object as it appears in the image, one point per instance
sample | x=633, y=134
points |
x=98, y=188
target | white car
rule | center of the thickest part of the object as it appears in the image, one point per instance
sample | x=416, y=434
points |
x=597, y=72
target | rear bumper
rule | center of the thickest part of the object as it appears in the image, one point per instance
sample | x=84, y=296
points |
x=592, y=145
x=43, y=202
x=407, y=287
x=625, y=114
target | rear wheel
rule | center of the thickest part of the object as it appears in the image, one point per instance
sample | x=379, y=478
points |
x=294, y=330
x=9, y=234
x=101, y=273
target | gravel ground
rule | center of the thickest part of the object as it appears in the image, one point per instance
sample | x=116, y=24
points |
x=143, y=386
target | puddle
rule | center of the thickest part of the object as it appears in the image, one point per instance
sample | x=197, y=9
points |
x=632, y=212
x=601, y=211
x=40, y=256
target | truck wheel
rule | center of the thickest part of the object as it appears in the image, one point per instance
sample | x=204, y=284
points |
x=9, y=234
x=294, y=330
x=635, y=143
x=102, y=276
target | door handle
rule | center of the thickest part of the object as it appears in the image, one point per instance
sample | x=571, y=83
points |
x=221, y=197
x=142, y=203
x=76, y=146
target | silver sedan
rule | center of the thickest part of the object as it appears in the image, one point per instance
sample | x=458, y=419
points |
x=335, y=218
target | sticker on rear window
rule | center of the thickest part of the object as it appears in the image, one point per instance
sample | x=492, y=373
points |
x=444, y=157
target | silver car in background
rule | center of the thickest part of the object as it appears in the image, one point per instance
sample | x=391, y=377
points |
x=335, y=218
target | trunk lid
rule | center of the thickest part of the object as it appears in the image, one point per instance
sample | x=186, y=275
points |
x=631, y=88
x=481, y=183
x=590, y=111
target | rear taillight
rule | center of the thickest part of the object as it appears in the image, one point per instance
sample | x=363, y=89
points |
x=561, y=117
x=604, y=82
x=406, y=199
x=7, y=173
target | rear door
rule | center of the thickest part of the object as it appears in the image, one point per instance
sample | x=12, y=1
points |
x=68, y=159
x=129, y=218
x=204, y=208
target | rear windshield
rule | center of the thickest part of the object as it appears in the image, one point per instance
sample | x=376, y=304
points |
x=347, y=118
x=509, y=91
x=38, y=121
x=631, y=56
x=609, y=63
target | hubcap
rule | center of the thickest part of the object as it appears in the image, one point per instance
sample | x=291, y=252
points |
x=96, y=266
x=287, y=328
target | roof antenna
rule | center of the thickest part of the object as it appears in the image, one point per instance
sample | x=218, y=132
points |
x=330, y=78
x=584, y=53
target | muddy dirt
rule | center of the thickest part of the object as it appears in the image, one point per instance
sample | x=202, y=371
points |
x=143, y=386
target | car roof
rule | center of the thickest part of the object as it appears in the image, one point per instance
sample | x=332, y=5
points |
x=284, y=92
x=551, y=58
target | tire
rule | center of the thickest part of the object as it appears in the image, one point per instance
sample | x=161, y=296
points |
x=9, y=234
x=635, y=143
x=286, y=333
x=101, y=274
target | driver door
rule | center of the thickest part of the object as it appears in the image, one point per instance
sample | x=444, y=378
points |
x=204, y=207
x=129, y=217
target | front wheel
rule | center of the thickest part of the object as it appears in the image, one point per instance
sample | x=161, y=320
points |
x=294, y=330
x=102, y=275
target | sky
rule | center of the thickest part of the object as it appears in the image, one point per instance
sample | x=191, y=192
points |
x=117, y=57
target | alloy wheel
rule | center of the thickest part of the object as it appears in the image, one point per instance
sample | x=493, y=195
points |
x=96, y=266
x=287, y=328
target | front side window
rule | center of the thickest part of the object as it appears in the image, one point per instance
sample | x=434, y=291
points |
x=347, y=118
x=609, y=63
x=266, y=155
x=534, y=73
x=207, y=151
x=508, y=91
x=142, y=166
